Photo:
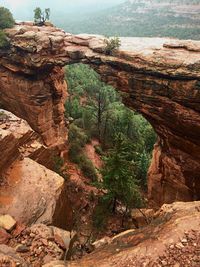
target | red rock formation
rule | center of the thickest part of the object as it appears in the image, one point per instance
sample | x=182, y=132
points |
x=157, y=77
x=37, y=99
x=172, y=239
x=29, y=191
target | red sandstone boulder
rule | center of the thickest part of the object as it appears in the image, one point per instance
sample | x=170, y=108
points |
x=34, y=193
x=29, y=191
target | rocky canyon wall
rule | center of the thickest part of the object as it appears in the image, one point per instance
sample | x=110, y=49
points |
x=159, y=78
x=170, y=104
x=38, y=98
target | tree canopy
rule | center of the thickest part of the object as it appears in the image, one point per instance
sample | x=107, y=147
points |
x=41, y=16
x=119, y=174
x=6, y=18
x=126, y=139
x=6, y=21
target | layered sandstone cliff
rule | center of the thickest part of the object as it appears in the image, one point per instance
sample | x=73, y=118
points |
x=157, y=77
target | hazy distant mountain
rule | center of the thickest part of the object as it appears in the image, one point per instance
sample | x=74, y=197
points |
x=174, y=18
x=60, y=9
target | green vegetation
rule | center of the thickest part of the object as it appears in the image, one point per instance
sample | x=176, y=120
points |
x=59, y=167
x=142, y=19
x=3, y=40
x=6, y=21
x=6, y=18
x=41, y=17
x=119, y=174
x=112, y=44
x=77, y=141
x=126, y=140
x=101, y=214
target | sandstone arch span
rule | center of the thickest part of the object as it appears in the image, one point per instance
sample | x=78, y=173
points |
x=160, y=78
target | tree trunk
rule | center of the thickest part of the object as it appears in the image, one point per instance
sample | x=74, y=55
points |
x=99, y=117
x=114, y=205
x=105, y=130
x=124, y=216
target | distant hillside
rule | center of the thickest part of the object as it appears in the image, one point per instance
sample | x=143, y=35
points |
x=173, y=18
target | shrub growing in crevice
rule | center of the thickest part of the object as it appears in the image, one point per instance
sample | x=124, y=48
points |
x=77, y=141
x=112, y=45
x=59, y=167
x=4, y=43
x=87, y=167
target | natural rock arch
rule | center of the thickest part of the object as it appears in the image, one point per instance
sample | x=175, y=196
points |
x=160, y=78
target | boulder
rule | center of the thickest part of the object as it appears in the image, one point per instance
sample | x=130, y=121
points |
x=29, y=191
x=65, y=240
x=7, y=222
x=36, y=194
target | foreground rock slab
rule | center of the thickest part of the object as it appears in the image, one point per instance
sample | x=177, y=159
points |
x=172, y=239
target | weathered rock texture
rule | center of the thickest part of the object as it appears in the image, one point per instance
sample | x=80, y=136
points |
x=172, y=239
x=29, y=191
x=159, y=78
x=34, y=246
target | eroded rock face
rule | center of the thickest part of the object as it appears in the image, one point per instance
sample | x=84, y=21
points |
x=38, y=99
x=157, y=77
x=28, y=190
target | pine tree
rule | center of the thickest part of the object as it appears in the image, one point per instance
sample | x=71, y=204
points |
x=119, y=175
x=6, y=18
x=6, y=21
x=40, y=17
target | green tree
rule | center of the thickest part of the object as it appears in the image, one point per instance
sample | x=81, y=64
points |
x=98, y=111
x=99, y=103
x=40, y=17
x=119, y=177
x=6, y=18
x=143, y=162
x=3, y=40
x=6, y=21
x=73, y=108
x=112, y=45
x=37, y=15
x=47, y=13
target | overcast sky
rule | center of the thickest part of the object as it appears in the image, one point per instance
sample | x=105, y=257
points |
x=23, y=9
